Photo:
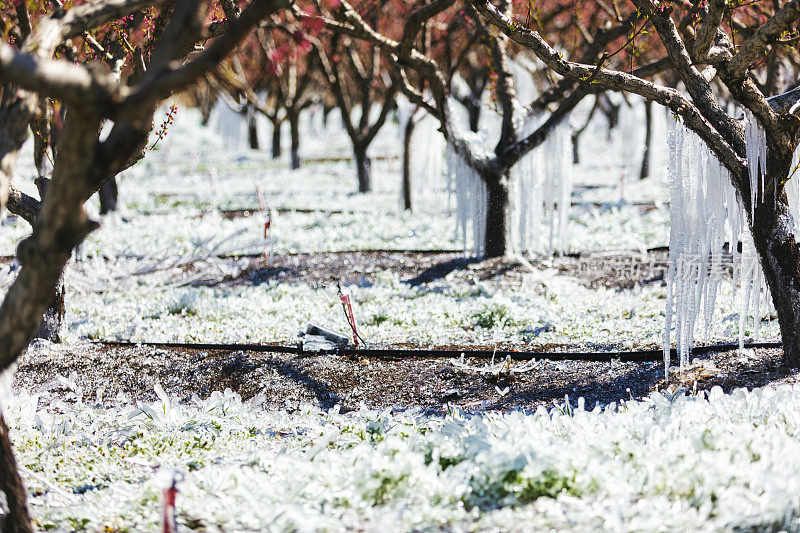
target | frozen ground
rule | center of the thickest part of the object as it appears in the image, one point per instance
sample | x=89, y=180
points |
x=664, y=462
x=171, y=209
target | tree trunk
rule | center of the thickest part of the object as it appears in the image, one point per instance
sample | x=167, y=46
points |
x=109, y=195
x=407, y=134
x=363, y=169
x=252, y=130
x=276, y=139
x=576, y=157
x=779, y=254
x=474, y=112
x=54, y=316
x=326, y=110
x=648, y=138
x=497, y=233
x=15, y=518
x=294, y=130
x=206, y=107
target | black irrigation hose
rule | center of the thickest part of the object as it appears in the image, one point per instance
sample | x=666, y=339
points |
x=634, y=356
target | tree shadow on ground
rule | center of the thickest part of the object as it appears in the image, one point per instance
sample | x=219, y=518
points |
x=441, y=270
x=726, y=369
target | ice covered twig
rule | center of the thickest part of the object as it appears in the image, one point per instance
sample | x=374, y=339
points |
x=506, y=366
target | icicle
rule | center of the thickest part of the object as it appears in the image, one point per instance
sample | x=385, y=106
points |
x=542, y=192
x=631, y=135
x=703, y=202
x=563, y=179
x=231, y=126
x=471, y=196
x=756, y=140
x=675, y=142
x=792, y=188
x=750, y=284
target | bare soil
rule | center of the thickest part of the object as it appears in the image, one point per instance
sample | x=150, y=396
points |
x=287, y=380
x=417, y=267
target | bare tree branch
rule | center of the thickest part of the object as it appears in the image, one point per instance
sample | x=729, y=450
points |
x=621, y=81
x=161, y=82
x=708, y=31
x=756, y=45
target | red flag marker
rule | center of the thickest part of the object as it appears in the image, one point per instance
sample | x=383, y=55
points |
x=350, y=317
x=169, y=522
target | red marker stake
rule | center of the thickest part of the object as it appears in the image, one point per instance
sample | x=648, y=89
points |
x=168, y=520
x=267, y=245
x=350, y=317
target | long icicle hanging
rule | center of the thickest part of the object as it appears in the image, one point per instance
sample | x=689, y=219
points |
x=756, y=140
x=471, y=202
x=703, y=203
x=542, y=193
x=705, y=212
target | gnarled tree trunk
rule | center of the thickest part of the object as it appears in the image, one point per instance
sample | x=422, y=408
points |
x=775, y=241
x=109, y=196
x=53, y=318
x=252, y=130
x=575, y=137
x=276, y=139
x=497, y=233
x=474, y=113
x=648, y=139
x=15, y=518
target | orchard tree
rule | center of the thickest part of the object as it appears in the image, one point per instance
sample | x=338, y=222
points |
x=293, y=77
x=424, y=81
x=40, y=63
x=355, y=74
x=703, y=48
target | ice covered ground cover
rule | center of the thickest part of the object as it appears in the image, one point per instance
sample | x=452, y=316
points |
x=164, y=197
x=668, y=462
x=548, y=308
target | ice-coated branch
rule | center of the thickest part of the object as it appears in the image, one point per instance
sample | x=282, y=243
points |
x=786, y=102
x=411, y=92
x=23, y=205
x=57, y=79
x=697, y=85
x=416, y=20
x=505, y=91
x=591, y=54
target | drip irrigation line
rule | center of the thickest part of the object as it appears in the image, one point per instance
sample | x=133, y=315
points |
x=632, y=356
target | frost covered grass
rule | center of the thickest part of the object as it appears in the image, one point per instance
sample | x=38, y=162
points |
x=170, y=204
x=547, y=308
x=668, y=462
